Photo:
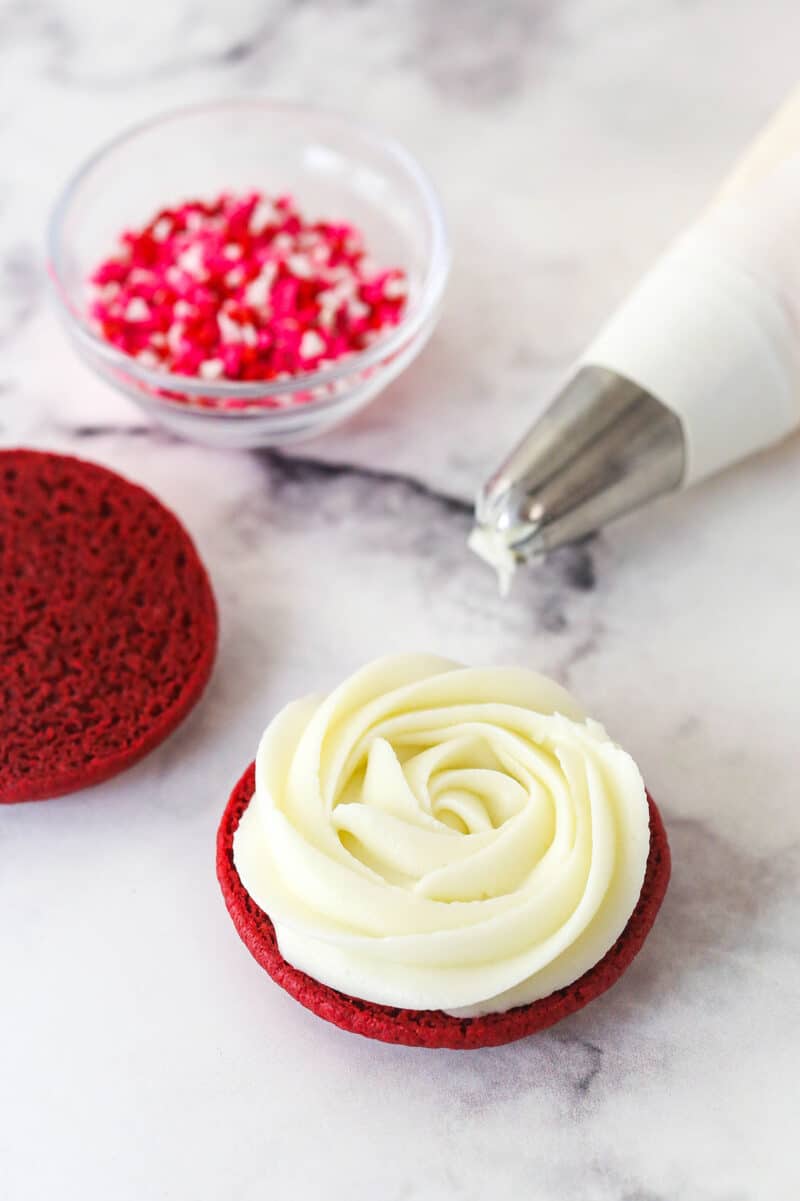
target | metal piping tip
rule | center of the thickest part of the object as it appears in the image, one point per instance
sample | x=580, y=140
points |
x=506, y=533
x=604, y=447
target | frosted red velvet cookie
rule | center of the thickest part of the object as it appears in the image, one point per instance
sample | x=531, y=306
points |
x=108, y=622
x=441, y=856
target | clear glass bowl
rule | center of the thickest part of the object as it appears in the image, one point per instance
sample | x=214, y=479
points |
x=336, y=169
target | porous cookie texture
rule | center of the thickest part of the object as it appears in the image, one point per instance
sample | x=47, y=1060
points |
x=108, y=625
x=432, y=1028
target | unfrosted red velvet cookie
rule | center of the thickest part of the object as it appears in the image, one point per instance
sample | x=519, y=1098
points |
x=432, y=1028
x=108, y=625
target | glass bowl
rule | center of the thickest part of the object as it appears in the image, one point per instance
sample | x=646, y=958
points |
x=336, y=169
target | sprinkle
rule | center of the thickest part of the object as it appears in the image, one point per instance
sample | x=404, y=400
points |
x=175, y=338
x=211, y=368
x=136, y=310
x=191, y=260
x=357, y=310
x=243, y=287
x=395, y=288
x=311, y=345
x=257, y=293
x=263, y=214
x=230, y=331
x=300, y=265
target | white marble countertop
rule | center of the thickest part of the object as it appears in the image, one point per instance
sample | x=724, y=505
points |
x=143, y=1055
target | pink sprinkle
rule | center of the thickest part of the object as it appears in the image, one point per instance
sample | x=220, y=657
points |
x=243, y=287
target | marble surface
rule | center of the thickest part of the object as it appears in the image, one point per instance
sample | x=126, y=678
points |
x=143, y=1055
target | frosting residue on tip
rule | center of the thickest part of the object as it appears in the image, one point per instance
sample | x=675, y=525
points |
x=430, y=836
x=490, y=545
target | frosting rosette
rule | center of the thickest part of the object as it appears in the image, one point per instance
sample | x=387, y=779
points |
x=432, y=836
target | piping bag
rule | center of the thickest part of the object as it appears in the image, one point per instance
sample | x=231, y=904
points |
x=699, y=368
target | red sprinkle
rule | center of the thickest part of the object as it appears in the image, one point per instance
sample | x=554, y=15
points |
x=243, y=288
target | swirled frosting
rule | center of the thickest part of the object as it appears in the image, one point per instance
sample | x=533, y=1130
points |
x=430, y=836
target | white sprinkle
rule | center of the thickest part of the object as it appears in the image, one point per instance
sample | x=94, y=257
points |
x=356, y=309
x=311, y=345
x=339, y=294
x=230, y=331
x=211, y=368
x=182, y=308
x=137, y=310
x=393, y=289
x=162, y=229
x=342, y=272
x=190, y=260
x=147, y=358
x=232, y=251
x=249, y=335
x=195, y=220
x=263, y=214
x=299, y=265
x=235, y=277
x=283, y=242
x=257, y=292
x=175, y=337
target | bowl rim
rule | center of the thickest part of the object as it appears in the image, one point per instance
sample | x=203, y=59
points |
x=412, y=322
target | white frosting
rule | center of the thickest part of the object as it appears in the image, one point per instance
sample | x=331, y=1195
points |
x=490, y=545
x=430, y=836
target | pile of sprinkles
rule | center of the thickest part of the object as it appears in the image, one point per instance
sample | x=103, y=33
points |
x=242, y=287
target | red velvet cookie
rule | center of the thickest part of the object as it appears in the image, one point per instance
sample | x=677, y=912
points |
x=108, y=625
x=432, y=1028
